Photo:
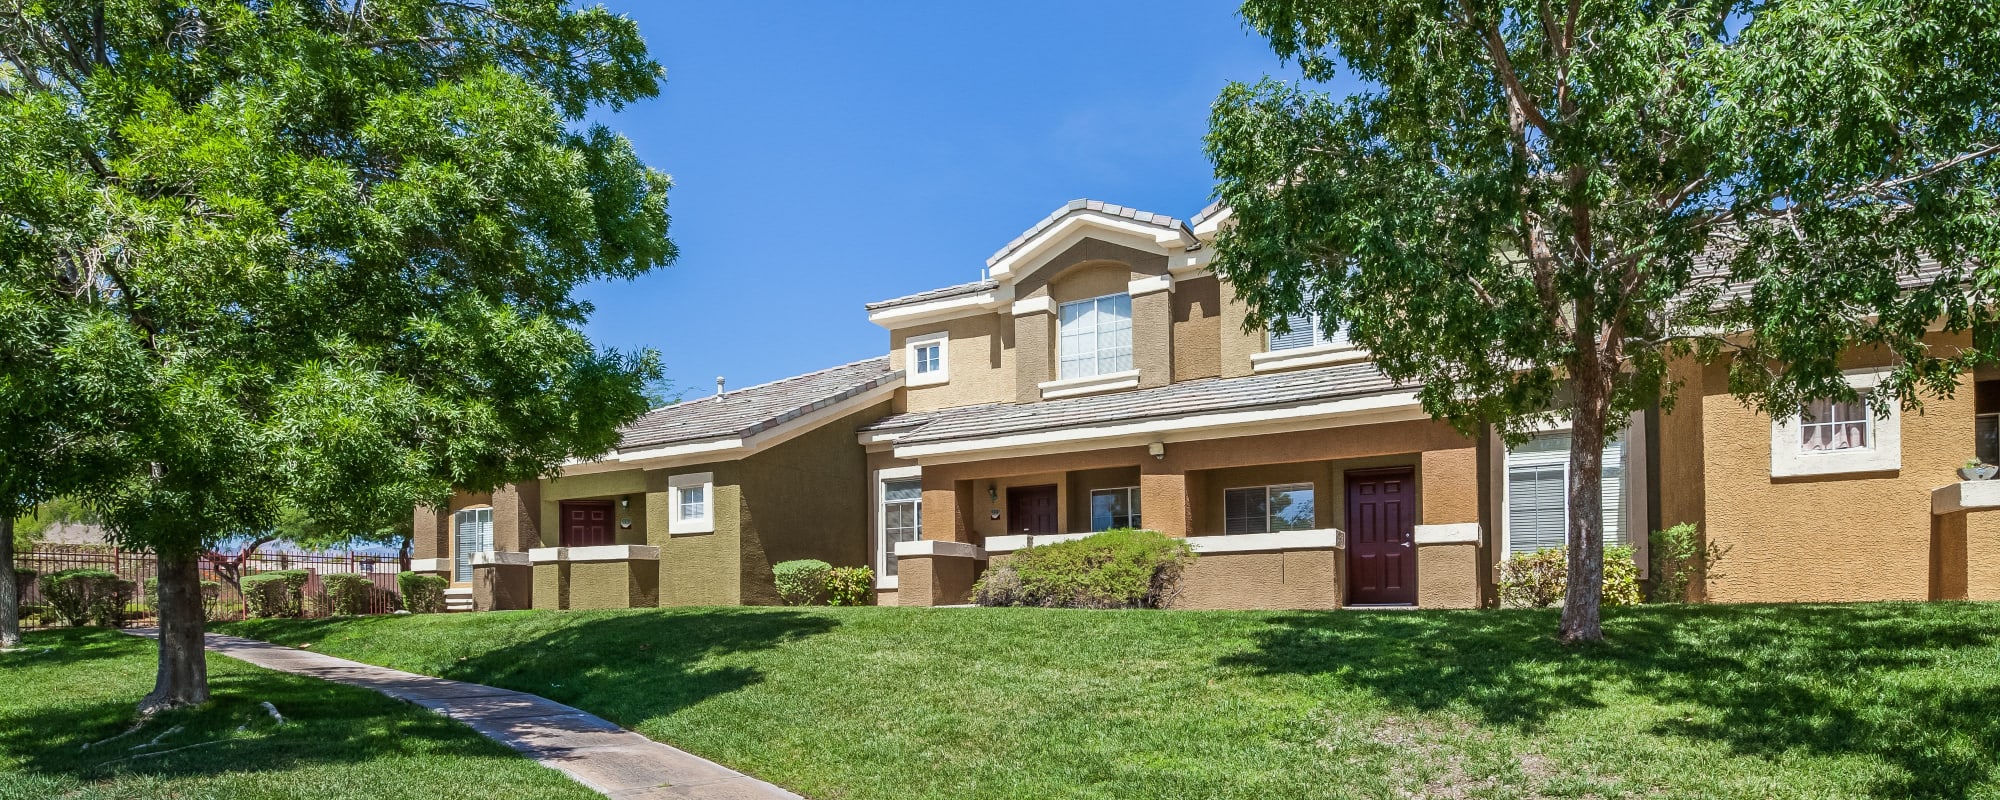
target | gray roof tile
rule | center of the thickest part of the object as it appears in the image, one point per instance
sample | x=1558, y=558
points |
x=1203, y=396
x=974, y=287
x=1086, y=207
x=742, y=412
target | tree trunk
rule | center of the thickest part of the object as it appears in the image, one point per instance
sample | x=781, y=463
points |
x=1584, y=594
x=10, y=592
x=183, y=676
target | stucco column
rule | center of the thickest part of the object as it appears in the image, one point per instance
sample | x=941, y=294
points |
x=1163, y=497
x=1034, y=346
x=1448, y=533
x=430, y=534
x=947, y=501
x=1153, y=329
x=517, y=511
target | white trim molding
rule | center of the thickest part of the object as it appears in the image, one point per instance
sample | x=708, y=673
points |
x=1093, y=384
x=911, y=377
x=1022, y=541
x=500, y=558
x=1952, y=498
x=1450, y=533
x=1320, y=539
x=880, y=529
x=430, y=565
x=1150, y=284
x=1318, y=355
x=1884, y=452
x=1039, y=304
x=944, y=308
x=676, y=526
x=608, y=552
x=926, y=548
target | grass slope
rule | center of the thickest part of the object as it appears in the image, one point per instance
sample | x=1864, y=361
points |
x=65, y=689
x=1884, y=700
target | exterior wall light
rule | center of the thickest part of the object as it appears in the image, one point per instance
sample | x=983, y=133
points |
x=1158, y=450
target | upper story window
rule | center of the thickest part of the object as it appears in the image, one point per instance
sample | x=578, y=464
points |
x=1094, y=337
x=472, y=532
x=1304, y=331
x=927, y=359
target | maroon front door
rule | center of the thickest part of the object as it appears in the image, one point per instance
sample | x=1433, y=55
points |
x=1031, y=509
x=587, y=523
x=1381, y=537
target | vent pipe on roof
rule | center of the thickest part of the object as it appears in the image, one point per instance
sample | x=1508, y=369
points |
x=718, y=385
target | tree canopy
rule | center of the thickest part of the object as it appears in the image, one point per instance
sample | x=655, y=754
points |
x=1534, y=206
x=331, y=246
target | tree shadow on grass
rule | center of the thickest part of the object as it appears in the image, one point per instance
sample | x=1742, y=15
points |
x=625, y=666
x=1911, y=685
x=85, y=731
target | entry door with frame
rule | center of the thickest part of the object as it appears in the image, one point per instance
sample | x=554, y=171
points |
x=1381, y=537
x=1031, y=509
x=588, y=523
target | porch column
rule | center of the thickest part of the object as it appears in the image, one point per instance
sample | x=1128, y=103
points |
x=947, y=501
x=1163, y=497
x=430, y=540
x=1449, y=535
x=502, y=581
x=1965, y=541
x=940, y=569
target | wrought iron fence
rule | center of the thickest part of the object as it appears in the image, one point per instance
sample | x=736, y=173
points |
x=141, y=568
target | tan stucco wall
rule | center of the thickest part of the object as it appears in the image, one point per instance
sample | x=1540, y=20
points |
x=1831, y=538
x=1034, y=354
x=1981, y=563
x=629, y=485
x=1058, y=268
x=1448, y=576
x=502, y=587
x=430, y=535
x=1091, y=279
x=1153, y=338
x=699, y=569
x=551, y=585
x=517, y=517
x=1197, y=314
x=936, y=581
x=1295, y=579
x=1237, y=345
x=796, y=503
x=980, y=362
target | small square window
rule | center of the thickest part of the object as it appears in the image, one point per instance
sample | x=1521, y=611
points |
x=929, y=359
x=691, y=497
x=1827, y=426
x=694, y=502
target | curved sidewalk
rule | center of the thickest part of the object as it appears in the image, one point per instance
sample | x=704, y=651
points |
x=613, y=761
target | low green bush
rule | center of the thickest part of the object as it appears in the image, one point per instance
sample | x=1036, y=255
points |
x=87, y=596
x=276, y=594
x=1122, y=568
x=850, y=586
x=422, y=593
x=801, y=582
x=211, y=598
x=1678, y=557
x=347, y=593
x=1539, y=579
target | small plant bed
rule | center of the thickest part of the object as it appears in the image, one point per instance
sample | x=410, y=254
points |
x=68, y=730
x=1683, y=701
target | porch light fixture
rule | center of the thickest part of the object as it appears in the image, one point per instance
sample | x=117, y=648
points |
x=1157, y=450
x=624, y=502
x=992, y=493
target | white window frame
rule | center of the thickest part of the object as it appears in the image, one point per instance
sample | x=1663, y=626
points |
x=883, y=580
x=1637, y=529
x=1789, y=459
x=1131, y=501
x=676, y=524
x=1313, y=486
x=1322, y=351
x=916, y=345
x=462, y=559
x=1098, y=368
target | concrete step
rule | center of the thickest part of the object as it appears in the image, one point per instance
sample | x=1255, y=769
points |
x=458, y=599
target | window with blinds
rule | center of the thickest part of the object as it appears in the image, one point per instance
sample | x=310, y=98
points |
x=902, y=518
x=472, y=532
x=1094, y=337
x=1304, y=331
x=1538, y=494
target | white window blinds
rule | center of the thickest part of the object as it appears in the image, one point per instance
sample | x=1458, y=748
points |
x=1538, y=494
x=1304, y=332
x=902, y=518
x=472, y=530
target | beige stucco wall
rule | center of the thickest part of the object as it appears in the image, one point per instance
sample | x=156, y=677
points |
x=1294, y=579
x=1197, y=328
x=980, y=361
x=699, y=569
x=1448, y=575
x=1979, y=563
x=1237, y=344
x=1830, y=538
x=1034, y=354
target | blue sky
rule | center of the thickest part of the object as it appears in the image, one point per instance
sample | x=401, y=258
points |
x=828, y=155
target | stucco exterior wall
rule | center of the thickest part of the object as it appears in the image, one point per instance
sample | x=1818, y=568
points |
x=1085, y=280
x=517, y=511
x=502, y=587
x=1135, y=262
x=430, y=535
x=1448, y=575
x=791, y=508
x=699, y=569
x=979, y=362
x=1238, y=345
x=937, y=580
x=1980, y=563
x=629, y=485
x=1034, y=354
x=1197, y=325
x=1292, y=579
x=1826, y=538
x=1153, y=338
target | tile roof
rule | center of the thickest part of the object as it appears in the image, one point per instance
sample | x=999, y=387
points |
x=742, y=412
x=1202, y=216
x=912, y=419
x=974, y=287
x=1207, y=395
x=1082, y=206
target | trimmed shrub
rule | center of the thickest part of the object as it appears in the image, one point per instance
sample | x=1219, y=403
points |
x=801, y=582
x=1122, y=568
x=347, y=593
x=1539, y=579
x=1678, y=556
x=850, y=586
x=276, y=594
x=422, y=593
x=87, y=596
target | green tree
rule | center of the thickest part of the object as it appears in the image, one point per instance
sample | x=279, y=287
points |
x=1534, y=207
x=336, y=241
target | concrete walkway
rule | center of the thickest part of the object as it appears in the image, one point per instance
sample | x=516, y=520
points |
x=613, y=761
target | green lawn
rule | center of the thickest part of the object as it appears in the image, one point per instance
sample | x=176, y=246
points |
x=1884, y=700
x=66, y=689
